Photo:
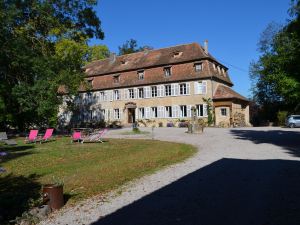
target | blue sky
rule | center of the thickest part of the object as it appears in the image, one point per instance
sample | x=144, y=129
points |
x=232, y=27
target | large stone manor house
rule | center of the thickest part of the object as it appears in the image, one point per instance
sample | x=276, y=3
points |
x=160, y=86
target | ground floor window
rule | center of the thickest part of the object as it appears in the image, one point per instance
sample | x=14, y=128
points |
x=141, y=113
x=183, y=111
x=223, y=111
x=154, y=112
x=116, y=114
x=102, y=114
x=168, y=110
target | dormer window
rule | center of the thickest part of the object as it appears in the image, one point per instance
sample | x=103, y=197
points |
x=167, y=71
x=177, y=54
x=90, y=81
x=124, y=62
x=198, y=67
x=214, y=66
x=141, y=74
x=116, y=78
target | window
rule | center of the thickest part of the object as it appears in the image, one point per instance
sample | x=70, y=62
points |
x=167, y=71
x=141, y=75
x=200, y=87
x=131, y=93
x=154, y=112
x=116, y=78
x=153, y=91
x=141, y=92
x=198, y=67
x=116, y=95
x=223, y=111
x=102, y=96
x=201, y=110
x=141, y=113
x=168, y=110
x=168, y=90
x=102, y=114
x=116, y=114
x=182, y=89
x=183, y=111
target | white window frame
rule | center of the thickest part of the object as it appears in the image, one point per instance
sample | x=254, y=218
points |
x=154, y=92
x=154, y=112
x=198, y=67
x=168, y=90
x=131, y=93
x=117, y=114
x=167, y=71
x=141, y=93
x=117, y=95
x=141, y=74
x=183, y=89
x=168, y=111
x=142, y=113
x=183, y=112
x=221, y=111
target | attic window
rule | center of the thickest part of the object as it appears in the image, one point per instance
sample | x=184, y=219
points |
x=116, y=78
x=167, y=71
x=141, y=74
x=198, y=67
x=177, y=54
x=90, y=81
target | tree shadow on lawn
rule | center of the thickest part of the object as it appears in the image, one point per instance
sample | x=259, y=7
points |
x=14, y=152
x=289, y=140
x=15, y=193
x=229, y=191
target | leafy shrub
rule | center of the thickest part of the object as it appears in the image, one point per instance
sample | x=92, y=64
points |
x=160, y=124
x=281, y=115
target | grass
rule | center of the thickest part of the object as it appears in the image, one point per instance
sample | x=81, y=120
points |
x=135, y=132
x=85, y=169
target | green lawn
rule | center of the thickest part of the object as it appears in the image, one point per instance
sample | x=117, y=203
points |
x=85, y=169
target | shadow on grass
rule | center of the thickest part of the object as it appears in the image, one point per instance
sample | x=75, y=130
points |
x=289, y=140
x=228, y=191
x=15, y=193
x=15, y=152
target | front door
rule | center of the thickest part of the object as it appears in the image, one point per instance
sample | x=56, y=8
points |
x=131, y=115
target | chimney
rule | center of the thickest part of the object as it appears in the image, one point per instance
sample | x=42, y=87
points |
x=206, y=46
x=112, y=57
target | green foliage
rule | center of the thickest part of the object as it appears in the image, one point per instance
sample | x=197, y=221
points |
x=281, y=116
x=276, y=75
x=210, y=114
x=131, y=46
x=43, y=47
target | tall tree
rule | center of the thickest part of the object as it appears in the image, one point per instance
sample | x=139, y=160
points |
x=131, y=46
x=276, y=75
x=43, y=45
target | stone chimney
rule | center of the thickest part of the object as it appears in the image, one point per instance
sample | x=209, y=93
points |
x=206, y=46
x=112, y=57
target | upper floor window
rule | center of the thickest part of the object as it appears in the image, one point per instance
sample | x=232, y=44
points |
x=141, y=75
x=116, y=78
x=102, y=96
x=198, y=67
x=167, y=71
x=153, y=91
x=200, y=87
x=183, y=89
x=141, y=92
x=131, y=93
x=116, y=94
x=168, y=90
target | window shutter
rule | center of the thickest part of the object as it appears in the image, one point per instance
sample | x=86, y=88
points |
x=188, y=88
x=159, y=91
x=173, y=89
x=147, y=92
x=136, y=114
x=121, y=113
x=126, y=94
x=174, y=113
x=111, y=95
x=147, y=112
x=196, y=89
x=160, y=110
x=176, y=89
x=204, y=87
x=204, y=109
x=135, y=93
x=189, y=111
x=162, y=90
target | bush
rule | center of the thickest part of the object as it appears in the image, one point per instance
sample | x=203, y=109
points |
x=170, y=124
x=281, y=115
x=160, y=124
x=183, y=124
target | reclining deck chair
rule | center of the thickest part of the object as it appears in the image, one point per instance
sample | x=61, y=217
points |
x=32, y=138
x=3, y=137
x=47, y=136
x=76, y=136
x=95, y=137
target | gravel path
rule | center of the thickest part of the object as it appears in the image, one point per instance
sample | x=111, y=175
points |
x=228, y=158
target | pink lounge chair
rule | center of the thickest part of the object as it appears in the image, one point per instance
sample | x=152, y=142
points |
x=76, y=136
x=95, y=137
x=32, y=138
x=47, y=136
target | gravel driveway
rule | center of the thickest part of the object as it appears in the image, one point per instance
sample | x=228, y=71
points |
x=238, y=176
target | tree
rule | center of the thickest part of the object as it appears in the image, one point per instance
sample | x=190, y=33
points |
x=276, y=75
x=43, y=46
x=131, y=46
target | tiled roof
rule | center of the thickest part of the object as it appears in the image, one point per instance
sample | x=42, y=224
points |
x=148, y=58
x=224, y=92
